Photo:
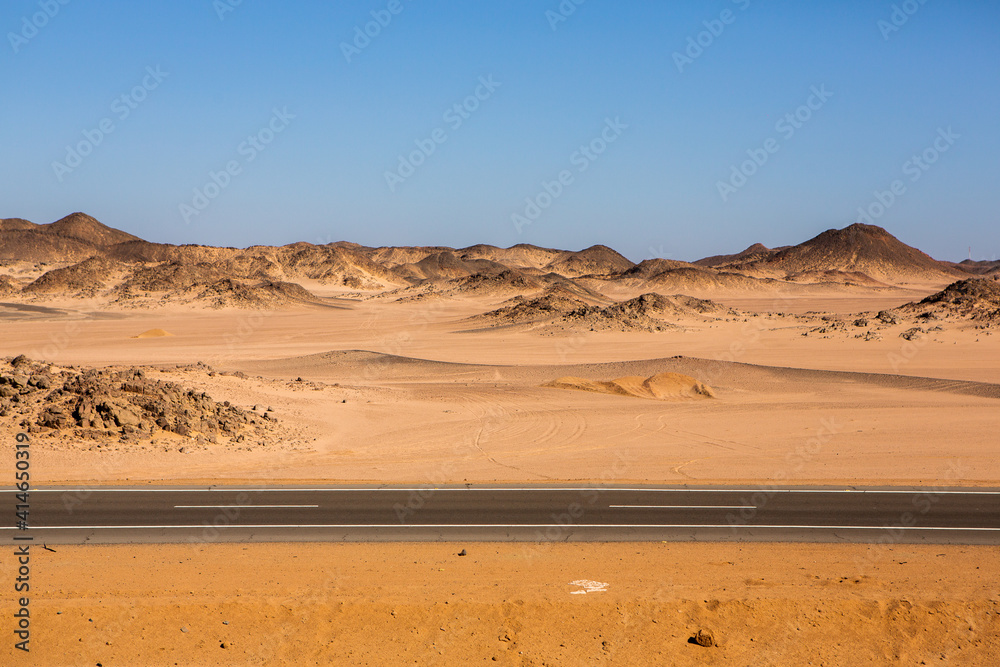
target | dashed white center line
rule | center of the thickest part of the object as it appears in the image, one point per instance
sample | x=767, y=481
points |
x=234, y=507
x=686, y=507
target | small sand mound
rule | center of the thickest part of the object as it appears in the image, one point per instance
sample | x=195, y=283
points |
x=662, y=386
x=153, y=333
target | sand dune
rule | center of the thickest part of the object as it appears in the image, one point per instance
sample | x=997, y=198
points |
x=153, y=333
x=662, y=386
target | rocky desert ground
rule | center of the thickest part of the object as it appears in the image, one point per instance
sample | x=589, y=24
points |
x=849, y=359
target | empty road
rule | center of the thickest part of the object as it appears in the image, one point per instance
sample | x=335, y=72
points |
x=503, y=513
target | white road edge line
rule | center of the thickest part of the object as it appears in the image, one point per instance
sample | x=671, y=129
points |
x=98, y=489
x=510, y=525
x=187, y=507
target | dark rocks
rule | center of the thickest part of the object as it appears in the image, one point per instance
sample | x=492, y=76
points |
x=39, y=381
x=885, y=317
x=861, y=322
x=704, y=638
x=910, y=334
x=123, y=403
x=54, y=417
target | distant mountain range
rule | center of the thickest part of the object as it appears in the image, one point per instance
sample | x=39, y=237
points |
x=96, y=260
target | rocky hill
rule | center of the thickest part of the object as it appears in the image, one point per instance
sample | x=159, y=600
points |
x=864, y=249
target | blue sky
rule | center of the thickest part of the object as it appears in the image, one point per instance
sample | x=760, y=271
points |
x=309, y=130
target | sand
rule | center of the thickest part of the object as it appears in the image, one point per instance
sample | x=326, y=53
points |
x=370, y=377
x=511, y=604
x=153, y=333
x=441, y=402
x=662, y=386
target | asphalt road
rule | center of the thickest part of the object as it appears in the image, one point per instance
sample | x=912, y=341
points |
x=497, y=513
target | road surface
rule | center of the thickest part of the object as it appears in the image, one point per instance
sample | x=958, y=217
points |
x=76, y=515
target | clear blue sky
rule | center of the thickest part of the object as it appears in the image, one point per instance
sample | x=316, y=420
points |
x=653, y=191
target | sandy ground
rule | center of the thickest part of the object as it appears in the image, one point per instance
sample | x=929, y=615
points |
x=409, y=393
x=485, y=416
x=520, y=604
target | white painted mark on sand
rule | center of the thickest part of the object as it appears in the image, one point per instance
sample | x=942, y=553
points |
x=588, y=586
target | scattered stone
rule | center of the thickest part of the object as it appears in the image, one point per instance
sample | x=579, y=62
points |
x=462, y=553
x=704, y=638
x=910, y=334
x=861, y=322
x=886, y=317
x=124, y=404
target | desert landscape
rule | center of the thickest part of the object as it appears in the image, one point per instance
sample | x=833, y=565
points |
x=154, y=363
x=849, y=359
x=534, y=334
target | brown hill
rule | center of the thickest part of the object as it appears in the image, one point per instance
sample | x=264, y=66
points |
x=331, y=264
x=392, y=256
x=834, y=276
x=265, y=295
x=520, y=310
x=697, y=280
x=980, y=267
x=446, y=265
x=520, y=256
x=31, y=245
x=73, y=238
x=85, y=228
x=647, y=312
x=860, y=248
x=757, y=251
x=145, y=251
x=170, y=277
x=83, y=279
x=648, y=268
x=505, y=282
x=15, y=224
x=595, y=260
